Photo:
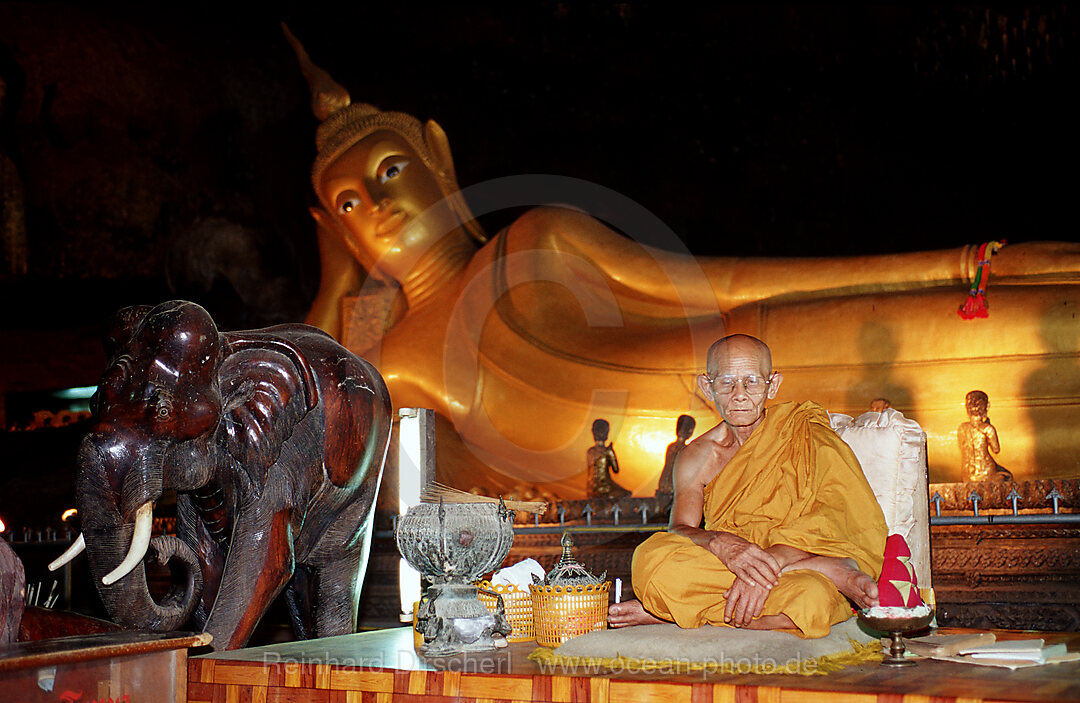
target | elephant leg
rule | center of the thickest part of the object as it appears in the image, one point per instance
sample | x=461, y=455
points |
x=335, y=594
x=259, y=565
x=339, y=561
x=298, y=596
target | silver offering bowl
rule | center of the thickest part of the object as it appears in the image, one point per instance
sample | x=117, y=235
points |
x=896, y=627
x=452, y=545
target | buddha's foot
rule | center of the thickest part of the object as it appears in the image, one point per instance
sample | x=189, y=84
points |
x=630, y=612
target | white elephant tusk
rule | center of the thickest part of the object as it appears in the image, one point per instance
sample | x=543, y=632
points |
x=140, y=541
x=70, y=553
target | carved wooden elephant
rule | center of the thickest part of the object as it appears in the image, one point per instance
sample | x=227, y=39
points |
x=274, y=442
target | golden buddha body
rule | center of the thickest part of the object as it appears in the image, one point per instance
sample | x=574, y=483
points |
x=602, y=463
x=684, y=428
x=517, y=341
x=977, y=439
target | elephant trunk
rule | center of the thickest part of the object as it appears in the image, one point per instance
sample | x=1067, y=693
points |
x=117, y=537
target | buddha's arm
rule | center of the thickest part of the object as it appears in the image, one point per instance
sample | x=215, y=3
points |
x=614, y=460
x=650, y=281
x=340, y=275
x=740, y=281
x=1025, y=263
x=992, y=439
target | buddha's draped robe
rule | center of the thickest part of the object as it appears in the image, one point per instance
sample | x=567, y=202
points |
x=793, y=482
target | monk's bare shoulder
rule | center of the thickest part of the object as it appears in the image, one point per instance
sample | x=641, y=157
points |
x=705, y=457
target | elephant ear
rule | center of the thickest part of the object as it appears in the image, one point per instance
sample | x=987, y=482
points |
x=122, y=327
x=266, y=389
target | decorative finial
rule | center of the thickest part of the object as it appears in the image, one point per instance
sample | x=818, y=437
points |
x=567, y=543
x=568, y=570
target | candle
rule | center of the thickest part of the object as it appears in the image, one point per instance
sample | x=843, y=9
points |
x=618, y=590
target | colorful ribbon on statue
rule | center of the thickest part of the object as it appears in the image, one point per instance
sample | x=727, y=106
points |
x=976, y=305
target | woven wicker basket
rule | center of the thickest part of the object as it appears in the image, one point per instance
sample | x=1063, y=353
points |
x=561, y=613
x=517, y=605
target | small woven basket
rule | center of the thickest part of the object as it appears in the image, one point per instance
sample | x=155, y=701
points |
x=561, y=613
x=517, y=605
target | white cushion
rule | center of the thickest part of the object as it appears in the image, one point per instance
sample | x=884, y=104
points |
x=892, y=452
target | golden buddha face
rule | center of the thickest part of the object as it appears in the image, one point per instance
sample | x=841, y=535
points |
x=383, y=193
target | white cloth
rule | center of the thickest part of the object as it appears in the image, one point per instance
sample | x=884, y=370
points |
x=519, y=575
x=892, y=452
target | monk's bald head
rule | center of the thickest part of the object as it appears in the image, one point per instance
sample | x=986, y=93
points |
x=738, y=345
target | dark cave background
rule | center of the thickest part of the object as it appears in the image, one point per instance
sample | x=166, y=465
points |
x=165, y=151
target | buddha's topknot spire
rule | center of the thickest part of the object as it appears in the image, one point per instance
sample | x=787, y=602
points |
x=327, y=95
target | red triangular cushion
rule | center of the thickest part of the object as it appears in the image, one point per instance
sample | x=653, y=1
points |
x=896, y=546
x=897, y=585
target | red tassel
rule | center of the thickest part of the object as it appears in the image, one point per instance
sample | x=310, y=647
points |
x=974, y=306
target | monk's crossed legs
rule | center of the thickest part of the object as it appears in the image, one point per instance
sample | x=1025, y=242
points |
x=683, y=583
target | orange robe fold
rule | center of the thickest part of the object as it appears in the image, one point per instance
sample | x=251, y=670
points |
x=793, y=482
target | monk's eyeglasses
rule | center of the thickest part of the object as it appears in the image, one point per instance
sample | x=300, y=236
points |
x=752, y=383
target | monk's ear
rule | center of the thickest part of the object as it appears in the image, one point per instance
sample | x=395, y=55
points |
x=706, y=388
x=774, y=385
x=439, y=144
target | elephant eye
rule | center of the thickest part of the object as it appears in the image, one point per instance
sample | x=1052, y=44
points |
x=164, y=408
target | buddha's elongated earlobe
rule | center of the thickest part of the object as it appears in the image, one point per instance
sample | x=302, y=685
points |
x=439, y=146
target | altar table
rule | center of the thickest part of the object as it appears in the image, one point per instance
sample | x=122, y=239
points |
x=382, y=665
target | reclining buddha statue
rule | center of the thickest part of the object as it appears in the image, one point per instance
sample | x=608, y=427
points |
x=519, y=340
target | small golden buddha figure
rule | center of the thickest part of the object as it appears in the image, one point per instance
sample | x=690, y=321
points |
x=518, y=340
x=602, y=463
x=977, y=439
x=684, y=427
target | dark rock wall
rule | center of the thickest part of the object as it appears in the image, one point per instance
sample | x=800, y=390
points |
x=139, y=134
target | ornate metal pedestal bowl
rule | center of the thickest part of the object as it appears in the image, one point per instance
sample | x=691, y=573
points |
x=896, y=627
x=452, y=545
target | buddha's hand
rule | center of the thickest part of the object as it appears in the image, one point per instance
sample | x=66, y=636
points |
x=749, y=562
x=744, y=603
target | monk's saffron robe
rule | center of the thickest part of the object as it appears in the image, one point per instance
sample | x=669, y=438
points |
x=793, y=482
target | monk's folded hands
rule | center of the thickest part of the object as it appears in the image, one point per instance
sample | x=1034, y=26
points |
x=744, y=603
x=748, y=561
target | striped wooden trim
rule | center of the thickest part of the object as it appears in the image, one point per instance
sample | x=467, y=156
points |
x=225, y=681
x=512, y=678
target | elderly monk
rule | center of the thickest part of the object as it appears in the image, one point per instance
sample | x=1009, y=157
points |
x=791, y=525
